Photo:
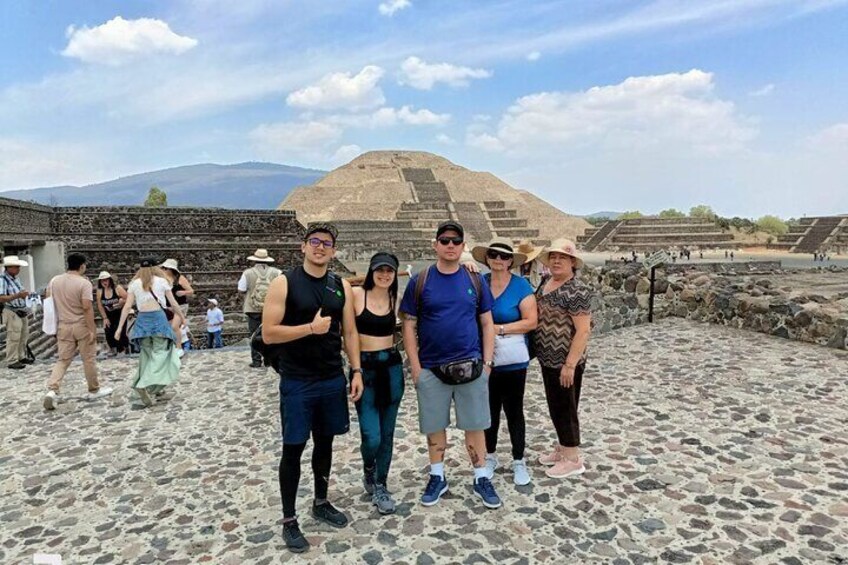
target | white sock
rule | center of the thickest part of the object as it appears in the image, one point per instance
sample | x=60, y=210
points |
x=437, y=469
x=481, y=473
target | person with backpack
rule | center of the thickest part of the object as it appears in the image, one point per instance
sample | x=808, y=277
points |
x=449, y=336
x=307, y=312
x=254, y=284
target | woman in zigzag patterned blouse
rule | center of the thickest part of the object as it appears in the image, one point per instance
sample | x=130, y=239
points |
x=560, y=341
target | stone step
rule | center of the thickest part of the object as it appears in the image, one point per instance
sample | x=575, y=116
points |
x=422, y=206
x=518, y=233
x=508, y=223
x=434, y=215
x=499, y=214
x=669, y=239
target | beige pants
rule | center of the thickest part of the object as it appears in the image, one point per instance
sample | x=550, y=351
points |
x=71, y=339
x=17, y=334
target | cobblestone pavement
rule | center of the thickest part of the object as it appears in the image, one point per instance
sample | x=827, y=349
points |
x=703, y=445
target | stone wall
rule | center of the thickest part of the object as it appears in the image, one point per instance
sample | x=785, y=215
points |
x=24, y=220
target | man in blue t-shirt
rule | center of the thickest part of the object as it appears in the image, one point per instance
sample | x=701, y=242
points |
x=449, y=338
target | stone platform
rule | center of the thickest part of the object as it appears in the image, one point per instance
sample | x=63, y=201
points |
x=703, y=445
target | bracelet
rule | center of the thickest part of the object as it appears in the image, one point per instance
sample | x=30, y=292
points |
x=567, y=366
x=501, y=331
x=310, y=329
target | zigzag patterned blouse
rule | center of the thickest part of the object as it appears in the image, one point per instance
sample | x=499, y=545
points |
x=555, y=332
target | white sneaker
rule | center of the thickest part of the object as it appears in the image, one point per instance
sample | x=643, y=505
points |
x=491, y=463
x=520, y=474
x=104, y=391
x=181, y=353
x=51, y=399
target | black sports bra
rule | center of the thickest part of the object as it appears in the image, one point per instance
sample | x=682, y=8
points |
x=369, y=323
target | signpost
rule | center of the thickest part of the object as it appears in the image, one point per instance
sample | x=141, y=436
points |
x=652, y=262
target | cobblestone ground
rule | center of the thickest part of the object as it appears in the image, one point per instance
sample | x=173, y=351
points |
x=703, y=445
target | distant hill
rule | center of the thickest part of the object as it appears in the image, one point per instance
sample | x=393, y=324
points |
x=610, y=215
x=244, y=185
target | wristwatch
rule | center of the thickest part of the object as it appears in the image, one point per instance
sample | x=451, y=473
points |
x=489, y=364
x=356, y=371
x=501, y=332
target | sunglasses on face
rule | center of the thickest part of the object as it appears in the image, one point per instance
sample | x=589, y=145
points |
x=318, y=242
x=502, y=255
x=447, y=240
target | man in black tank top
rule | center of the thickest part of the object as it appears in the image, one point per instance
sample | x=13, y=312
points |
x=308, y=311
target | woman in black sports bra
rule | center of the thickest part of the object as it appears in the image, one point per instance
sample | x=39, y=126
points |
x=375, y=304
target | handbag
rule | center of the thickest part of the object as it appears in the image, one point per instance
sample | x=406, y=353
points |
x=459, y=372
x=169, y=314
x=511, y=350
x=48, y=322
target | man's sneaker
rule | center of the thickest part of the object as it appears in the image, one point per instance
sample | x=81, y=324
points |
x=256, y=365
x=520, y=474
x=294, y=538
x=550, y=459
x=27, y=361
x=103, y=391
x=383, y=500
x=485, y=490
x=491, y=463
x=325, y=512
x=436, y=487
x=17, y=366
x=368, y=480
x=145, y=396
x=51, y=399
x=566, y=468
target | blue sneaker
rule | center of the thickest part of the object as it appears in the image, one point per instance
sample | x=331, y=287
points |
x=436, y=487
x=485, y=490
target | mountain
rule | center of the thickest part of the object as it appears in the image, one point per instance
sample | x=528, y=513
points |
x=610, y=215
x=244, y=185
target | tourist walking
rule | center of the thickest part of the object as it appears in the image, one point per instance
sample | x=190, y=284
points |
x=110, y=300
x=158, y=360
x=15, y=312
x=375, y=305
x=180, y=287
x=76, y=331
x=446, y=310
x=306, y=313
x=214, y=325
x=254, y=284
x=514, y=315
x=560, y=341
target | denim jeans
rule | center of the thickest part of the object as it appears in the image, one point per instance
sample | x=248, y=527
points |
x=213, y=340
x=377, y=422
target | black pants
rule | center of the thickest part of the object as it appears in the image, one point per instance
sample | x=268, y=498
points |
x=506, y=391
x=563, y=403
x=254, y=320
x=289, y=471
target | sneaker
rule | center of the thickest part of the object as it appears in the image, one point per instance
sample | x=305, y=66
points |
x=180, y=353
x=436, y=487
x=550, y=459
x=51, y=399
x=491, y=463
x=368, y=480
x=27, y=361
x=383, y=500
x=294, y=538
x=566, y=468
x=326, y=512
x=145, y=396
x=103, y=391
x=256, y=365
x=520, y=474
x=17, y=366
x=486, y=491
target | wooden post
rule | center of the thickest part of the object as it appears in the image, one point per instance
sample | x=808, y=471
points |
x=651, y=296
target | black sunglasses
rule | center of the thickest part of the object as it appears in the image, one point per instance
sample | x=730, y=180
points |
x=502, y=255
x=455, y=240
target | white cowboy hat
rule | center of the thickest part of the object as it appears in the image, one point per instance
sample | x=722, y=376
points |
x=105, y=275
x=564, y=246
x=498, y=244
x=526, y=247
x=171, y=264
x=261, y=256
x=13, y=261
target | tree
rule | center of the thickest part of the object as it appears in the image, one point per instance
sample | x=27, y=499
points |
x=631, y=215
x=772, y=225
x=702, y=211
x=672, y=213
x=156, y=198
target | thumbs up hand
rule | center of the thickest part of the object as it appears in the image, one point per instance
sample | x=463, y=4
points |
x=320, y=325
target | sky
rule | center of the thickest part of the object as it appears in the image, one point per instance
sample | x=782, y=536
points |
x=593, y=105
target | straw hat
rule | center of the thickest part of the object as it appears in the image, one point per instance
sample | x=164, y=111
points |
x=261, y=256
x=498, y=244
x=13, y=261
x=105, y=275
x=171, y=264
x=527, y=248
x=564, y=246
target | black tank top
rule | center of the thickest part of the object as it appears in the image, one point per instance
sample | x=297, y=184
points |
x=369, y=323
x=315, y=356
x=109, y=304
x=174, y=288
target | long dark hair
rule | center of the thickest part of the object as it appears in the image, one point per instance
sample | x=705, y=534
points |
x=114, y=284
x=368, y=284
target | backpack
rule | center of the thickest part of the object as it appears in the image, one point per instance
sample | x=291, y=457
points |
x=260, y=290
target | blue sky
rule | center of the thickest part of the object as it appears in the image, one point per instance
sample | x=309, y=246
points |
x=595, y=105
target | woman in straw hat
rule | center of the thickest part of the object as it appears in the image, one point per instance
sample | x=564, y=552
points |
x=514, y=314
x=180, y=286
x=530, y=268
x=560, y=341
x=110, y=300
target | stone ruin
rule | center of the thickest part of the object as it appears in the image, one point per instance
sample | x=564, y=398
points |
x=816, y=235
x=653, y=234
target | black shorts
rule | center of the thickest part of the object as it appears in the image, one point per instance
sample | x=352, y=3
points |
x=316, y=406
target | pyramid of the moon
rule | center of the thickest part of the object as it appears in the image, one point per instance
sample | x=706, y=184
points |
x=395, y=199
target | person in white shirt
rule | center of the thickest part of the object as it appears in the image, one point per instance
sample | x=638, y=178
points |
x=254, y=283
x=214, y=325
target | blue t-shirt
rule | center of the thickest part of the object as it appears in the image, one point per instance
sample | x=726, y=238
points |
x=448, y=329
x=506, y=308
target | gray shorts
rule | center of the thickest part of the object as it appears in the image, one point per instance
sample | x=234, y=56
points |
x=471, y=403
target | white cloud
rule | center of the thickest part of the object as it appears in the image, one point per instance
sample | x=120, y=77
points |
x=423, y=76
x=287, y=142
x=534, y=56
x=832, y=138
x=390, y=117
x=28, y=164
x=389, y=7
x=765, y=90
x=445, y=139
x=341, y=90
x=119, y=41
x=484, y=141
x=345, y=154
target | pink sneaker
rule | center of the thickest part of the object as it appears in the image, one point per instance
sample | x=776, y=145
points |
x=551, y=458
x=566, y=468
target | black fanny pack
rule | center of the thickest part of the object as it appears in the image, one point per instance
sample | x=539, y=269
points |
x=459, y=372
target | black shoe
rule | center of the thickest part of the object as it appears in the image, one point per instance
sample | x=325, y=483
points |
x=256, y=365
x=17, y=365
x=325, y=512
x=295, y=541
x=27, y=361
